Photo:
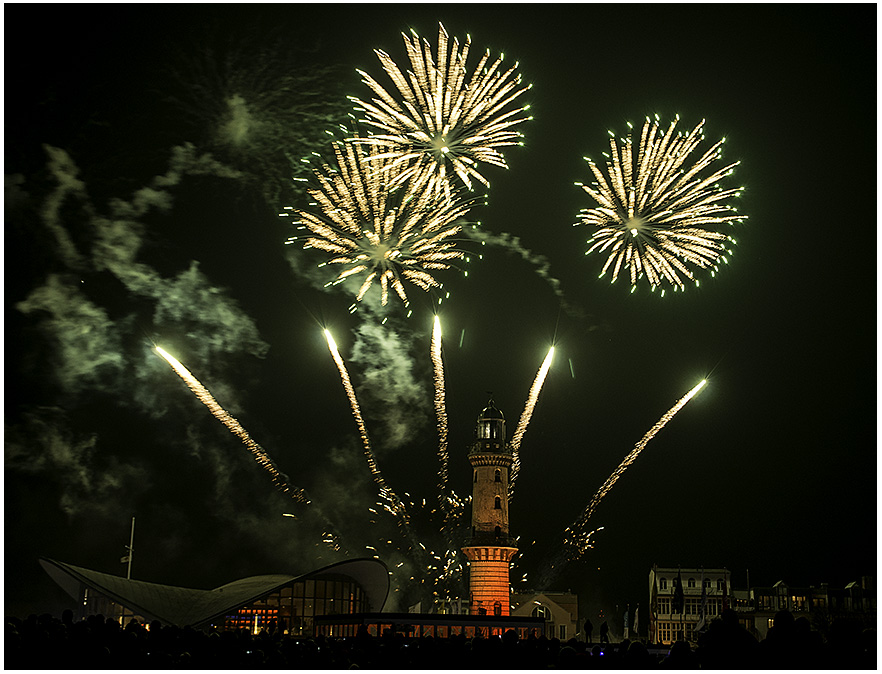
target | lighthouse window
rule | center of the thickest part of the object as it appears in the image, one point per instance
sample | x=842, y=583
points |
x=497, y=504
x=498, y=477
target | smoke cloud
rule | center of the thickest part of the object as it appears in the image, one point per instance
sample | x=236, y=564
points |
x=88, y=482
x=540, y=263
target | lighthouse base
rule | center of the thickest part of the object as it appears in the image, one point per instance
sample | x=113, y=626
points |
x=489, y=589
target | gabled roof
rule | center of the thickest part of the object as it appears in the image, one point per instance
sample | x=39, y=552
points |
x=186, y=606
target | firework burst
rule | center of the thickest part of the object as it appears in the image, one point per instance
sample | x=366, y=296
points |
x=378, y=228
x=658, y=215
x=443, y=122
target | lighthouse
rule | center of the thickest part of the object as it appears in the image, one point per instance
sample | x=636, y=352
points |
x=491, y=547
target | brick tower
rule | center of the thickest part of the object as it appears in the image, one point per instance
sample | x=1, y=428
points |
x=491, y=547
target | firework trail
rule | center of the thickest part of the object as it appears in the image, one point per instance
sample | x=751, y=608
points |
x=526, y=415
x=375, y=225
x=451, y=505
x=393, y=504
x=440, y=413
x=657, y=213
x=442, y=119
x=279, y=479
x=575, y=536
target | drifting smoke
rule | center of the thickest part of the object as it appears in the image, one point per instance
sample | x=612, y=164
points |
x=540, y=263
x=85, y=341
x=92, y=339
x=387, y=383
x=260, y=101
x=88, y=483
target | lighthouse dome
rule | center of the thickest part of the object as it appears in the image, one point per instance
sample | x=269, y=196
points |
x=491, y=423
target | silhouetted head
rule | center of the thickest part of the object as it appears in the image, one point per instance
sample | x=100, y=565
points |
x=729, y=617
x=783, y=621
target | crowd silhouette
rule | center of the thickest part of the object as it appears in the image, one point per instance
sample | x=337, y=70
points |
x=96, y=642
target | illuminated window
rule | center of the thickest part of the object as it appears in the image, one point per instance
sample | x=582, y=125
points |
x=541, y=612
x=664, y=633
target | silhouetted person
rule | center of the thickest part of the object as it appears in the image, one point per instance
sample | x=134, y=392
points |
x=727, y=644
x=588, y=629
x=637, y=657
x=604, y=633
x=680, y=657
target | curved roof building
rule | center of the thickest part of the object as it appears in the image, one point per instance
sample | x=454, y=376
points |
x=286, y=602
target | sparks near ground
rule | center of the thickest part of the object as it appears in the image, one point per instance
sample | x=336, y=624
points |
x=659, y=215
x=235, y=427
x=443, y=570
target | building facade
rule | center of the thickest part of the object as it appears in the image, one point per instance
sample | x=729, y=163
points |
x=683, y=600
x=285, y=603
x=821, y=604
x=559, y=610
x=707, y=592
x=491, y=547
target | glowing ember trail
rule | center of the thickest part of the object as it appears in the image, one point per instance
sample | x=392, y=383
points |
x=575, y=536
x=451, y=505
x=393, y=504
x=529, y=406
x=440, y=410
x=279, y=479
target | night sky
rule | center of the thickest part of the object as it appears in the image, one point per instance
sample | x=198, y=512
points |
x=138, y=214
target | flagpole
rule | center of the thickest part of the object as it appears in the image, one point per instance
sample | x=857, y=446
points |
x=131, y=550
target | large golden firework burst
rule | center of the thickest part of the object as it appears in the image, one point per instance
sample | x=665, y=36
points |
x=659, y=215
x=442, y=120
x=375, y=224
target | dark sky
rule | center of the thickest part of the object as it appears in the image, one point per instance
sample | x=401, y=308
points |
x=771, y=469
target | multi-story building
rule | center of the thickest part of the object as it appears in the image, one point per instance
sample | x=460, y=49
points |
x=678, y=614
x=684, y=599
x=820, y=605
